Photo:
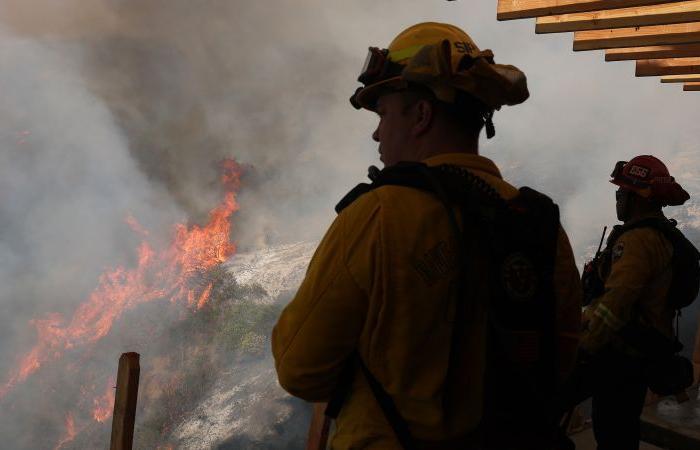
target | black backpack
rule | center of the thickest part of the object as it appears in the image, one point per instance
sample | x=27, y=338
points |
x=685, y=265
x=520, y=238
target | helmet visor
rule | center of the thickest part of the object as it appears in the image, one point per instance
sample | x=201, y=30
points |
x=375, y=64
x=617, y=171
x=378, y=67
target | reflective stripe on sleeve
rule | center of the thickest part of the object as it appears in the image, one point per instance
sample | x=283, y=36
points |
x=608, y=317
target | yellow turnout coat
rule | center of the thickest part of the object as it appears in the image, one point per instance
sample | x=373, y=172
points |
x=636, y=286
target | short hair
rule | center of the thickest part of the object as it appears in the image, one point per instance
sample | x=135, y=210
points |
x=467, y=111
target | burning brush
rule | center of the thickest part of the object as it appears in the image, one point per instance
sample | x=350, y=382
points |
x=176, y=272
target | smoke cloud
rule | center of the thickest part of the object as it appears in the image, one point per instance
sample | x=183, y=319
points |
x=116, y=107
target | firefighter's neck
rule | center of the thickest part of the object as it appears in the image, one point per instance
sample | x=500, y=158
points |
x=642, y=209
x=443, y=137
x=442, y=145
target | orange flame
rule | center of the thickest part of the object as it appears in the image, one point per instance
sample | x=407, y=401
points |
x=70, y=432
x=104, y=405
x=169, y=273
x=205, y=296
x=135, y=225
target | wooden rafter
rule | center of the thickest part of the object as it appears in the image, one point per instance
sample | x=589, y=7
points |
x=677, y=66
x=662, y=36
x=522, y=9
x=681, y=79
x=682, y=33
x=653, y=52
x=664, y=14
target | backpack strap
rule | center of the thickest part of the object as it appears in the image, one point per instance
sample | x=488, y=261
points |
x=666, y=226
x=398, y=424
x=406, y=174
x=447, y=182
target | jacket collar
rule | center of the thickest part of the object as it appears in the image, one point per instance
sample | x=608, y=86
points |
x=471, y=161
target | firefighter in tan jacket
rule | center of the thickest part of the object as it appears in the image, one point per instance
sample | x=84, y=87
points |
x=379, y=283
x=630, y=316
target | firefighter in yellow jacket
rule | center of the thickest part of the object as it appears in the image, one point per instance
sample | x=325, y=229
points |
x=380, y=282
x=630, y=319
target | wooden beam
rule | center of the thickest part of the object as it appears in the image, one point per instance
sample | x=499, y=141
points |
x=125, y=402
x=677, y=66
x=318, y=429
x=664, y=435
x=522, y=9
x=653, y=52
x=692, y=87
x=684, y=79
x=681, y=33
x=696, y=348
x=680, y=12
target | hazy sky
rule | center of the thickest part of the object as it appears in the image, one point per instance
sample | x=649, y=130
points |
x=109, y=107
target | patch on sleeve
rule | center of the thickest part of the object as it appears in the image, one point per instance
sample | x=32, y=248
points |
x=618, y=250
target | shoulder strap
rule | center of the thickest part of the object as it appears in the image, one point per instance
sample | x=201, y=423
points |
x=389, y=408
x=447, y=182
x=353, y=195
x=665, y=226
x=403, y=174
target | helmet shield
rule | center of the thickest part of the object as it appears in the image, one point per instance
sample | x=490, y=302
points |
x=617, y=171
x=375, y=65
x=377, y=70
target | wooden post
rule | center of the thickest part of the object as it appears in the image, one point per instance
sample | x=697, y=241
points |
x=125, y=402
x=318, y=429
x=696, y=354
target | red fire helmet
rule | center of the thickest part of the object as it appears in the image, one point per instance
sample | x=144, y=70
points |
x=647, y=176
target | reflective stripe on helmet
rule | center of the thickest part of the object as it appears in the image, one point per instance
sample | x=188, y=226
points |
x=408, y=52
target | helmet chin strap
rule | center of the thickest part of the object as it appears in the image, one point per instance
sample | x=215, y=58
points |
x=623, y=207
x=488, y=123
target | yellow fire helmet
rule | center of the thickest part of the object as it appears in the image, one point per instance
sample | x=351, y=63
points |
x=446, y=60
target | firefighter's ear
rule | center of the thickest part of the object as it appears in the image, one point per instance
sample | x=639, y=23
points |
x=424, y=111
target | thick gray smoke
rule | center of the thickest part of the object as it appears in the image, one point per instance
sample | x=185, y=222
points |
x=116, y=107
x=189, y=83
x=67, y=183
